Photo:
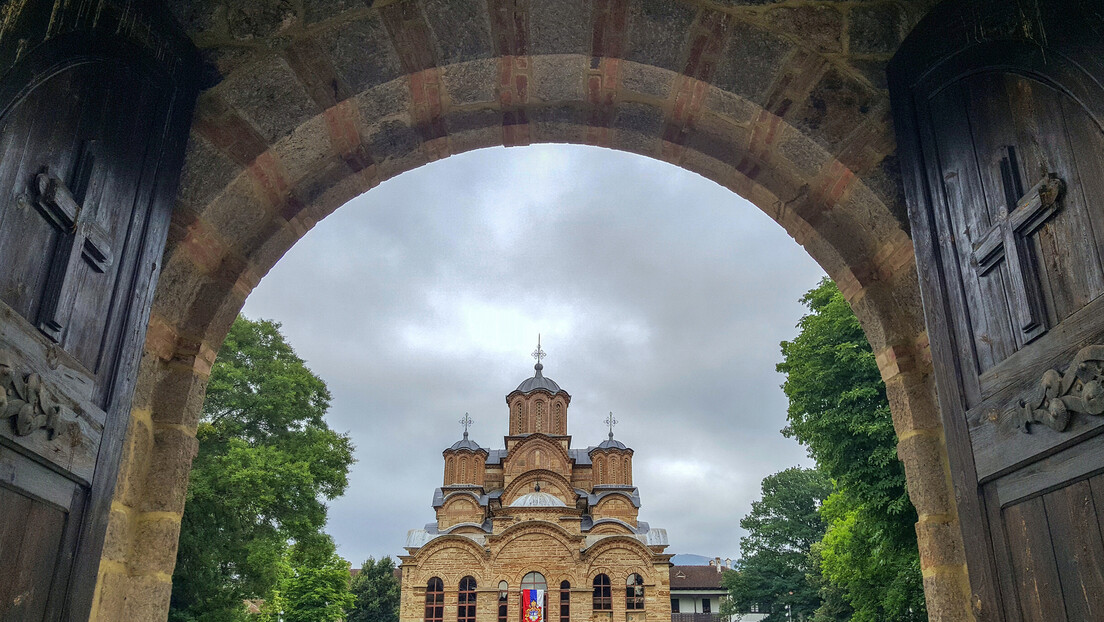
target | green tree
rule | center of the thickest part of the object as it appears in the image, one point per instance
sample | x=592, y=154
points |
x=377, y=592
x=267, y=461
x=317, y=588
x=838, y=409
x=774, y=564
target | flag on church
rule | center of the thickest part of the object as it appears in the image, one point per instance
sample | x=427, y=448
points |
x=532, y=605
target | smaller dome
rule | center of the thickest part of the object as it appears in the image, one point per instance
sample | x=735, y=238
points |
x=465, y=443
x=611, y=444
x=538, y=500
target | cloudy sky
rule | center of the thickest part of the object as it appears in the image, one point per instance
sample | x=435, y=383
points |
x=659, y=295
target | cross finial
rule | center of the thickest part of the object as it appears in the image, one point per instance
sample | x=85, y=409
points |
x=539, y=354
x=466, y=421
x=610, y=421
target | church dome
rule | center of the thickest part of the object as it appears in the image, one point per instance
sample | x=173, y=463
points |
x=538, y=381
x=465, y=443
x=611, y=444
x=538, y=500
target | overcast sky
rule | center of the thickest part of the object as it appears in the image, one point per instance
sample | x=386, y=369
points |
x=659, y=295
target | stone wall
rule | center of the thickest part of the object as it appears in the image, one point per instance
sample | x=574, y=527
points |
x=317, y=101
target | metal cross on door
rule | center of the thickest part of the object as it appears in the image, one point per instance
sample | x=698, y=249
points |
x=74, y=214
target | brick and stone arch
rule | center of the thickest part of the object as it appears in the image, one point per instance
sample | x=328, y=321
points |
x=551, y=482
x=615, y=505
x=537, y=452
x=610, y=526
x=315, y=102
x=460, y=507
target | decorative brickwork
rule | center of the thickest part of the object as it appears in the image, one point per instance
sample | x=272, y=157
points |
x=537, y=521
x=317, y=102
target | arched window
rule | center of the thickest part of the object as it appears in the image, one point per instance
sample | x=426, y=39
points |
x=435, y=600
x=465, y=609
x=634, y=592
x=599, y=463
x=516, y=427
x=540, y=415
x=535, y=581
x=560, y=427
x=503, y=601
x=603, y=598
x=450, y=470
x=463, y=470
x=565, y=601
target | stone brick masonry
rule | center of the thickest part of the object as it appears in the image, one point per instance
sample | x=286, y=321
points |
x=318, y=101
x=538, y=506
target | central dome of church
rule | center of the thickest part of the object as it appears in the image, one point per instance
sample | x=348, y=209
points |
x=538, y=381
x=538, y=500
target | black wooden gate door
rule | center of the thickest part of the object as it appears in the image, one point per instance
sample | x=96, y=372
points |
x=91, y=136
x=1000, y=118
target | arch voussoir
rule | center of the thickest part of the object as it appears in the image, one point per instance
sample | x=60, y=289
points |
x=783, y=105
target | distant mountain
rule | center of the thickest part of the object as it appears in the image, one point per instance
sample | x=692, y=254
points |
x=689, y=559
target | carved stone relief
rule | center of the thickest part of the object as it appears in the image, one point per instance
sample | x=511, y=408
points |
x=1080, y=389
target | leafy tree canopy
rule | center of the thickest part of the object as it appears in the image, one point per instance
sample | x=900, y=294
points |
x=266, y=463
x=838, y=406
x=317, y=588
x=838, y=409
x=377, y=593
x=782, y=526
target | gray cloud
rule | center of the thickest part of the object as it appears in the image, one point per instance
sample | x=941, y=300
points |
x=660, y=296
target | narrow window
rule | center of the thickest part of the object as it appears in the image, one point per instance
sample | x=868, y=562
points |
x=465, y=610
x=540, y=416
x=565, y=601
x=560, y=427
x=503, y=601
x=674, y=605
x=634, y=592
x=435, y=600
x=705, y=606
x=603, y=598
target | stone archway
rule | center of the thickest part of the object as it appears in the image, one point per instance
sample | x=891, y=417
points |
x=320, y=101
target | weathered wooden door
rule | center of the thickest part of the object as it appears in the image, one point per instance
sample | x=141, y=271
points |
x=1000, y=118
x=91, y=137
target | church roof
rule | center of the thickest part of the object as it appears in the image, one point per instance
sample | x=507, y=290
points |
x=538, y=500
x=466, y=443
x=609, y=443
x=539, y=382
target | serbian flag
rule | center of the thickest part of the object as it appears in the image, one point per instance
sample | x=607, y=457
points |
x=532, y=605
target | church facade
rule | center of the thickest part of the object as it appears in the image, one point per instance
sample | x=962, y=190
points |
x=538, y=531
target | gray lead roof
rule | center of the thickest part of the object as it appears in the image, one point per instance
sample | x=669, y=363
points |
x=466, y=443
x=610, y=443
x=538, y=381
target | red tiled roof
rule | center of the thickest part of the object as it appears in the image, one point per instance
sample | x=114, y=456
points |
x=695, y=578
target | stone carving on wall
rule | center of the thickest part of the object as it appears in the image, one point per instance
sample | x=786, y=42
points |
x=1080, y=389
x=25, y=400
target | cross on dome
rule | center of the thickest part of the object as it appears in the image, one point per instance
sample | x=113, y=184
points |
x=539, y=355
x=466, y=421
x=610, y=421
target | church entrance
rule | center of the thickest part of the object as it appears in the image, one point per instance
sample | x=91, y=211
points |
x=310, y=104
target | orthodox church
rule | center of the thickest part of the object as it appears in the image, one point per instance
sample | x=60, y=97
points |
x=538, y=531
